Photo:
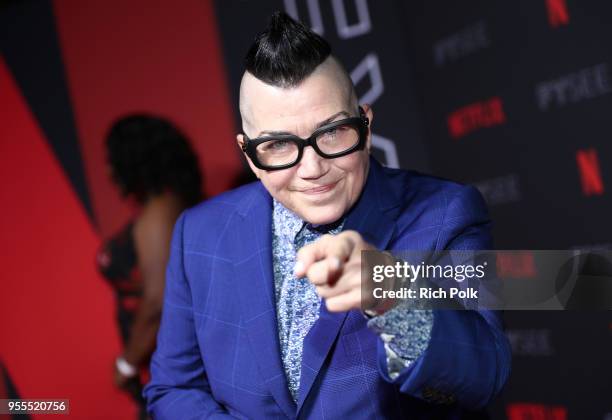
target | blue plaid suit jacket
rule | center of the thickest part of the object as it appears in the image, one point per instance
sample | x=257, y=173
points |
x=218, y=351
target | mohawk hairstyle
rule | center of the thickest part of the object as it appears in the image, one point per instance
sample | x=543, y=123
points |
x=286, y=52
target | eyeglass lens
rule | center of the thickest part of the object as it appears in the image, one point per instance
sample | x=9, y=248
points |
x=279, y=152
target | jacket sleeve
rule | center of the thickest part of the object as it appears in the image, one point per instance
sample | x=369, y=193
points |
x=179, y=388
x=468, y=356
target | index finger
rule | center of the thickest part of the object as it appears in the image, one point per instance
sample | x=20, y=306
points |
x=336, y=248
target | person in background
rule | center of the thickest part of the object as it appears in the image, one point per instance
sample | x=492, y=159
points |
x=153, y=164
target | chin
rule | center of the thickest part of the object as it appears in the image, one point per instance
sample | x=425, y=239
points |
x=322, y=216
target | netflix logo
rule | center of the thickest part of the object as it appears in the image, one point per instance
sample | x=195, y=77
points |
x=516, y=264
x=588, y=168
x=478, y=115
x=531, y=411
x=557, y=13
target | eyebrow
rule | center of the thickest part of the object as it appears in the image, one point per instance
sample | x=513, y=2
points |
x=319, y=125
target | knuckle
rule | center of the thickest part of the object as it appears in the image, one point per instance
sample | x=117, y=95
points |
x=316, y=272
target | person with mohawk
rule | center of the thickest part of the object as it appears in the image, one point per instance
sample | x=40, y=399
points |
x=263, y=316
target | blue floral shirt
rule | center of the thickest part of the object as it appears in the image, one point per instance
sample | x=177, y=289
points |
x=405, y=332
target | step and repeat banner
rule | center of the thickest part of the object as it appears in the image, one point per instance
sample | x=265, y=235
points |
x=516, y=99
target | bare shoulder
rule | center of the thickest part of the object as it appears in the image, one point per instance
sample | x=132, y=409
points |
x=157, y=218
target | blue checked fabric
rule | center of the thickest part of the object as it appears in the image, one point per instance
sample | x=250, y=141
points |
x=405, y=333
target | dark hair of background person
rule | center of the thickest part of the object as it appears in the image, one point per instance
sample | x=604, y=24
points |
x=148, y=155
x=286, y=52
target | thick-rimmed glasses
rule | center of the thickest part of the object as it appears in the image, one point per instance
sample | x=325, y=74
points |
x=338, y=138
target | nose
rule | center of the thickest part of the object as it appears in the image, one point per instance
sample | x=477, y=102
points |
x=312, y=165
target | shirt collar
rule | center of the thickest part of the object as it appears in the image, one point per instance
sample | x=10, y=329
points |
x=287, y=224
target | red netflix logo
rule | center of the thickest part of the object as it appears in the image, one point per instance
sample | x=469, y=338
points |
x=527, y=411
x=474, y=116
x=590, y=176
x=516, y=264
x=557, y=13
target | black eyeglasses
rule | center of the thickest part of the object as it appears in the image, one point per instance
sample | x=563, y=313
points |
x=330, y=141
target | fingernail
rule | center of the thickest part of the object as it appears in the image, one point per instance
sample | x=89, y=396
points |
x=298, y=268
x=334, y=263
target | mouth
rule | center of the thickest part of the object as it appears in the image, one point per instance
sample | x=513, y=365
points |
x=319, y=190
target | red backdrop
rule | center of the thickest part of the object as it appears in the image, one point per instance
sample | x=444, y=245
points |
x=59, y=334
x=149, y=56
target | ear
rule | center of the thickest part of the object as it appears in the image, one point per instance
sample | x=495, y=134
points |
x=370, y=114
x=240, y=141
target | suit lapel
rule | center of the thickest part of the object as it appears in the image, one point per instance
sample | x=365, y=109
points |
x=255, y=283
x=373, y=217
